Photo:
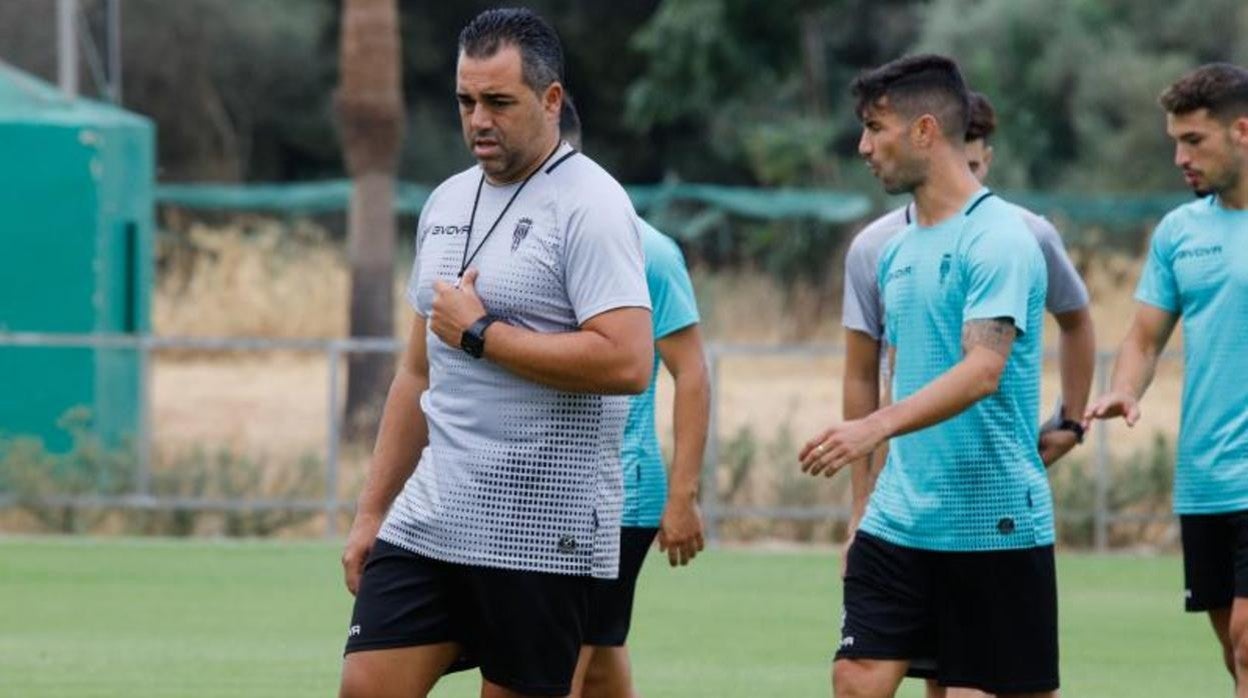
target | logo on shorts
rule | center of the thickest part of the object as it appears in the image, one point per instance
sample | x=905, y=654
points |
x=847, y=641
x=520, y=233
x=353, y=631
x=567, y=544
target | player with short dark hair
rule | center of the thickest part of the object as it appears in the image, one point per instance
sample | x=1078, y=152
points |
x=953, y=560
x=866, y=385
x=1197, y=271
x=494, y=493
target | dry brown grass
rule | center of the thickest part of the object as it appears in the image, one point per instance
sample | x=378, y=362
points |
x=261, y=280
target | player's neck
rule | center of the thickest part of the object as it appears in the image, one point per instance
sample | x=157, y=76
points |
x=944, y=193
x=1236, y=198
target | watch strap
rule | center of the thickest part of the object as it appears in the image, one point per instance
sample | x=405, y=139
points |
x=1072, y=426
x=473, y=340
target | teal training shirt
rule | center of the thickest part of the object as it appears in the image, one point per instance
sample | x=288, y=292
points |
x=973, y=482
x=674, y=308
x=1197, y=268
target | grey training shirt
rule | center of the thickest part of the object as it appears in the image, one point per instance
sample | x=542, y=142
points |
x=863, y=308
x=518, y=475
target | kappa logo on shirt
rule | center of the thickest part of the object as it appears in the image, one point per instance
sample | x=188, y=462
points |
x=520, y=233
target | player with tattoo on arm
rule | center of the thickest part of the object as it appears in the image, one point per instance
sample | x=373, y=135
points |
x=952, y=566
x=866, y=380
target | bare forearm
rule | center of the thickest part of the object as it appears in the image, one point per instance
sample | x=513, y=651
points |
x=402, y=436
x=861, y=397
x=1134, y=368
x=1077, y=359
x=968, y=382
x=690, y=418
x=582, y=361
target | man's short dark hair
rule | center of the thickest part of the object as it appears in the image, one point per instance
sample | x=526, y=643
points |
x=982, y=122
x=541, y=54
x=1222, y=88
x=570, y=122
x=917, y=85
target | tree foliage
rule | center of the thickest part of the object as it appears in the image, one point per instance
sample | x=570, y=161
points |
x=733, y=91
x=1075, y=82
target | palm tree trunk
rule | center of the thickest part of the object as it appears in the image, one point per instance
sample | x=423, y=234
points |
x=369, y=106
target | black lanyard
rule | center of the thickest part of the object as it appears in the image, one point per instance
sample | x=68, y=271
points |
x=465, y=259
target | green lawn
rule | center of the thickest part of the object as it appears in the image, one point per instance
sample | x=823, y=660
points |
x=167, y=618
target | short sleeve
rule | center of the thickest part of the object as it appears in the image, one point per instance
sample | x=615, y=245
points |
x=671, y=290
x=999, y=276
x=1157, y=285
x=413, y=278
x=1067, y=291
x=603, y=263
x=889, y=321
x=861, y=307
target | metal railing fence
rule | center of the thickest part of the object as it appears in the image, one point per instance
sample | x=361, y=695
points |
x=332, y=505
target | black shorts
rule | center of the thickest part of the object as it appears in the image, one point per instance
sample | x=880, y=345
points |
x=611, y=600
x=524, y=629
x=985, y=620
x=1215, y=559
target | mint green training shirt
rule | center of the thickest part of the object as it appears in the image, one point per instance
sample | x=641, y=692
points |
x=975, y=481
x=1197, y=268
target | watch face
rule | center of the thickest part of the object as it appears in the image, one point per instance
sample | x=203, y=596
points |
x=472, y=344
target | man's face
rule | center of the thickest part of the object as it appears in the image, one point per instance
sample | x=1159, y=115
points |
x=1207, y=151
x=979, y=158
x=504, y=121
x=887, y=147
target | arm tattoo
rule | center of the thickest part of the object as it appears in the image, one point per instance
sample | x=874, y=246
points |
x=996, y=334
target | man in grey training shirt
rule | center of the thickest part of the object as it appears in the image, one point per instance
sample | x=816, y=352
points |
x=494, y=494
x=866, y=371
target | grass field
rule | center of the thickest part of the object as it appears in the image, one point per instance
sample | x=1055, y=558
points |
x=164, y=618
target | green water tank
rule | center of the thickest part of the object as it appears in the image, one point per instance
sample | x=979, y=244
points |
x=76, y=187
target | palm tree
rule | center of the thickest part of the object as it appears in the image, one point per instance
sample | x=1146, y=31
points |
x=369, y=107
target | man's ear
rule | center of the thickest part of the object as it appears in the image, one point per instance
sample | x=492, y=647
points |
x=1239, y=131
x=552, y=98
x=924, y=131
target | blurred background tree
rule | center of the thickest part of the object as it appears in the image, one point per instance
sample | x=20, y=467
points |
x=730, y=91
x=369, y=105
x=733, y=92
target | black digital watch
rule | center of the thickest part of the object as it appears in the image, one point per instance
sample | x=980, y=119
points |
x=472, y=341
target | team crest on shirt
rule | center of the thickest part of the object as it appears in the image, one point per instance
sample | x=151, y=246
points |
x=520, y=233
x=946, y=263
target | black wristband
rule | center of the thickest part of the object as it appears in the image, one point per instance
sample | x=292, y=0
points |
x=472, y=341
x=1072, y=426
